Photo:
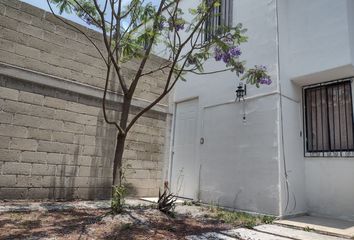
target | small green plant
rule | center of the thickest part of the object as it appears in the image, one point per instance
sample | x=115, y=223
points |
x=268, y=219
x=237, y=218
x=308, y=229
x=119, y=192
x=118, y=196
x=166, y=202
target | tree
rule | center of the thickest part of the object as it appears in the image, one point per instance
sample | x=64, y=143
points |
x=131, y=31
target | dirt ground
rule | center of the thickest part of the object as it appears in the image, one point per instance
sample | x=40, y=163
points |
x=138, y=223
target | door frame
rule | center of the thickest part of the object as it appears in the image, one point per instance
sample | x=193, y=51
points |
x=197, y=147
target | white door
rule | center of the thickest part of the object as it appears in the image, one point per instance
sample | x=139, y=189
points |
x=184, y=173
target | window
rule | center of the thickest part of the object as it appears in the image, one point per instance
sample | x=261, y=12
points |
x=220, y=16
x=328, y=118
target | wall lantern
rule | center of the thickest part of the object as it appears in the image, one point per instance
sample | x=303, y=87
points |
x=241, y=92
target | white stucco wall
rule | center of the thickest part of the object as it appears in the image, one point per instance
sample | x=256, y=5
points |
x=239, y=160
x=259, y=165
x=316, y=44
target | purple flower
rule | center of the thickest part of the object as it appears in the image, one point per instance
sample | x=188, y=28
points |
x=265, y=80
x=179, y=27
x=218, y=54
x=226, y=57
x=235, y=51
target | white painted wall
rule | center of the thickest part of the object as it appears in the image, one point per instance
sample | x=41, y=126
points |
x=316, y=44
x=239, y=166
x=258, y=165
x=239, y=159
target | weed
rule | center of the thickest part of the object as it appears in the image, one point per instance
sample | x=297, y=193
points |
x=268, y=219
x=166, y=202
x=308, y=229
x=238, y=218
x=118, y=199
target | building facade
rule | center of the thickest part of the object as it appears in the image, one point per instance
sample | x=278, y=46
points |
x=286, y=149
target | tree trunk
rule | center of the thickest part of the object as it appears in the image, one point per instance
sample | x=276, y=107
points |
x=118, y=157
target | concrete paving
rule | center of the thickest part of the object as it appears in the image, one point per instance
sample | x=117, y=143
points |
x=264, y=232
x=293, y=233
x=320, y=224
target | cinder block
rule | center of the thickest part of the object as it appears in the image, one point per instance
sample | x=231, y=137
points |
x=5, y=117
x=66, y=171
x=32, y=10
x=26, y=120
x=55, y=103
x=8, y=93
x=9, y=155
x=62, y=137
x=91, y=130
x=54, y=38
x=80, y=108
x=24, y=144
x=39, y=134
x=83, y=182
x=28, y=181
x=34, y=157
x=130, y=154
x=92, y=151
x=91, y=171
x=45, y=25
x=51, y=124
x=73, y=127
x=7, y=45
x=28, y=97
x=51, y=182
x=55, y=158
x=18, y=15
x=17, y=107
x=11, y=58
x=139, y=174
x=66, y=32
x=27, y=51
x=143, y=183
x=13, y=193
x=2, y=9
x=89, y=140
x=51, y=147
x=66, y=115
x=87, y=120
x=73, y=149
x=41, y=111
x=5, y=142
x=66, y=193
x=43, y=170
x=16, y=168
x=40, y=193
x=86, y=161
x=7, y=180
x=31, y=30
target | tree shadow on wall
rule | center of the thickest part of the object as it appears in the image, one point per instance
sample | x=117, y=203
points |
x=101, y=169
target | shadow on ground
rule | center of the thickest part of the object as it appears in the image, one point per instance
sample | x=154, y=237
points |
x=99, y=224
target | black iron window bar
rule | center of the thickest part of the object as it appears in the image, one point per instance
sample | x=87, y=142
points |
x=220, y=16
x=328, y=119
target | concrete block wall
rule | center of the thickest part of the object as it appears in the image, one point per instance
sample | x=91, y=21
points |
x=35, y=39
x=54, y=142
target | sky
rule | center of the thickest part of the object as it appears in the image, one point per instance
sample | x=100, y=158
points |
x=44, y=5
